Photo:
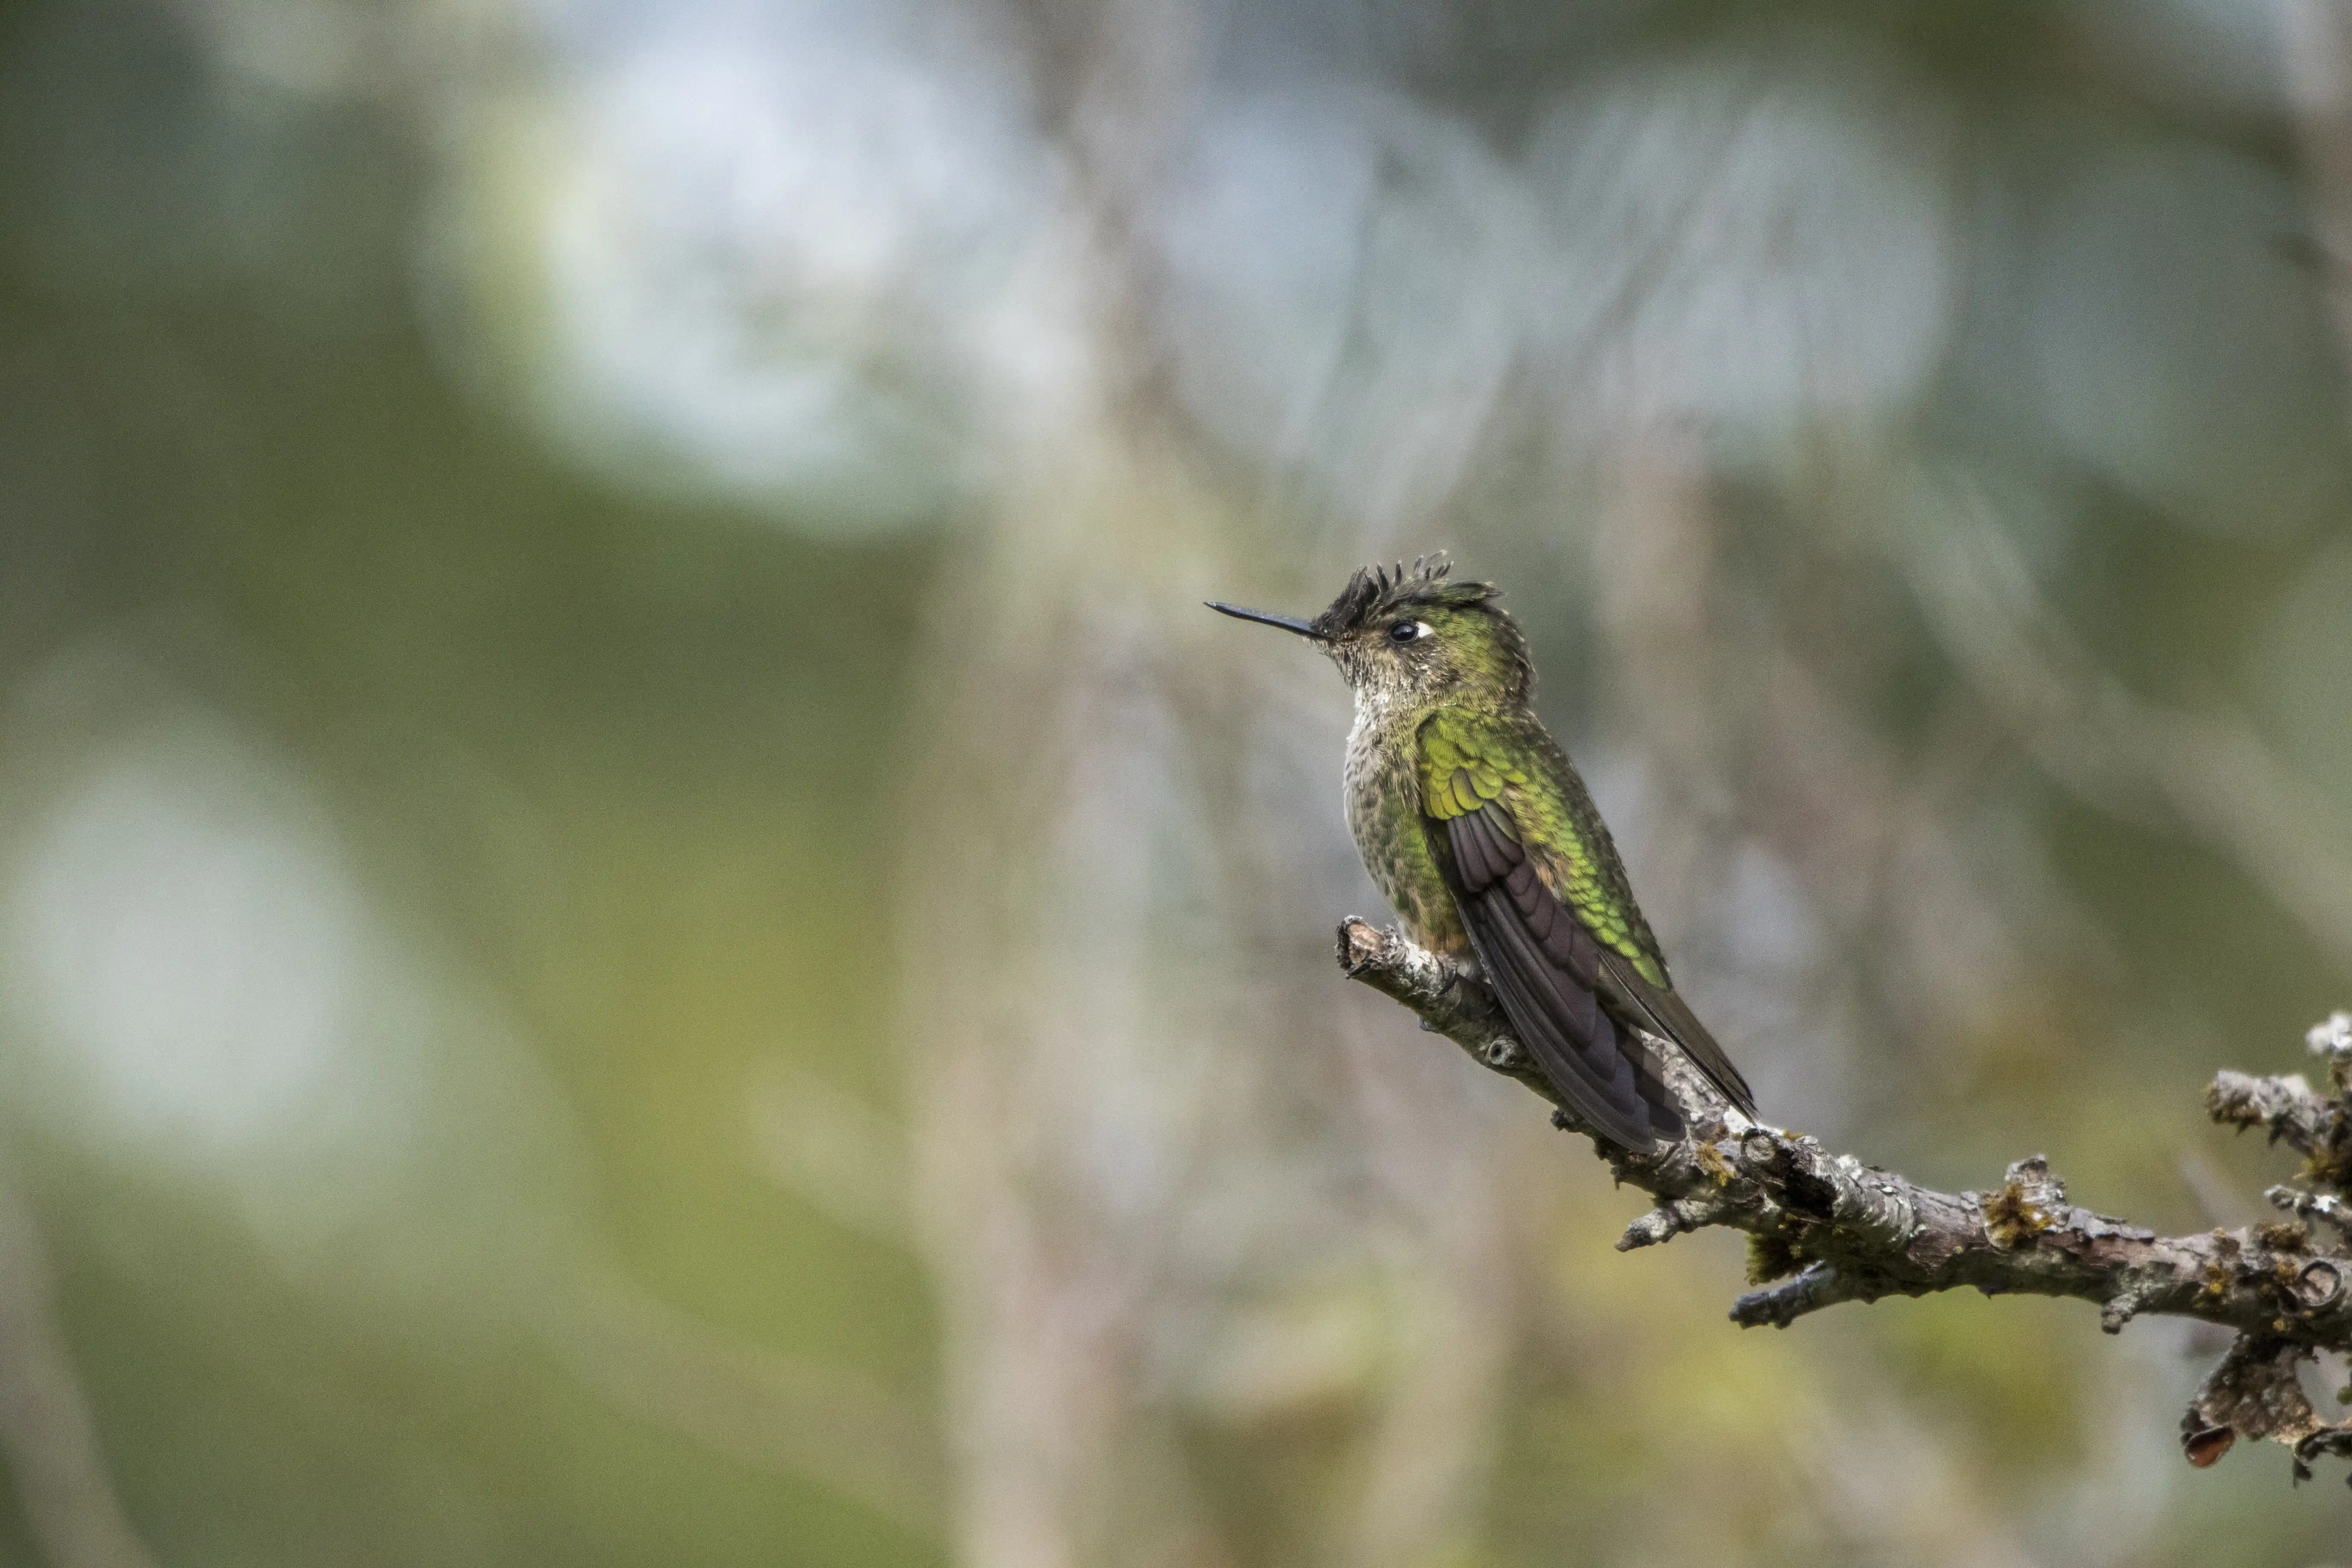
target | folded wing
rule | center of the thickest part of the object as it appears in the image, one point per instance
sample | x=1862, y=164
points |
x=1549, y=910
x=1548, y=971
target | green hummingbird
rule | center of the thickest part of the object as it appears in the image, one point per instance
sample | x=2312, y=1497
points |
x=1479, y=832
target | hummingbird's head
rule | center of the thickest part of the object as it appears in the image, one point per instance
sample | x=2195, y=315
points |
x=1408, y=634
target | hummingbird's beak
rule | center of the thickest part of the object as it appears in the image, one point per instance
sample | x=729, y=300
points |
x=1267, y=618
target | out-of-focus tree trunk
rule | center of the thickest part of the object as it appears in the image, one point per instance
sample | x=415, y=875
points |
x=2318, y=68
x=46, y=1430
x=1167, y=1259
x=1142, y=1211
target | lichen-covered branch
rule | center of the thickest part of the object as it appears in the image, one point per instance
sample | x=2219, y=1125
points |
x=1824, y=1227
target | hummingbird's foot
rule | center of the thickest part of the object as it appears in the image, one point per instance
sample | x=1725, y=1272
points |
x=1562, y=1121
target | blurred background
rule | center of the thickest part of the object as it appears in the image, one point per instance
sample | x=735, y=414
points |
x=640, y=921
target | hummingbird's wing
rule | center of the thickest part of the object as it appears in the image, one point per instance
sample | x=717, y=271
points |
x=1503, y=797
x=1545, y=966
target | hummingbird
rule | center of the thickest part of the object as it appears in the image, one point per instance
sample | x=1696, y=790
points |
x=1482, y=838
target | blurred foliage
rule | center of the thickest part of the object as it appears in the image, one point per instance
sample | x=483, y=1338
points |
x=505, y=561
x=625, y=765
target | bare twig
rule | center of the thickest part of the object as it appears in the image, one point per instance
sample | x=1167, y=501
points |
x=2284, y=1105
x=1828, y=1229
x=2314, y=1206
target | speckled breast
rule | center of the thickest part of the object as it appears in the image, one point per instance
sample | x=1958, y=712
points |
x=1384, y=815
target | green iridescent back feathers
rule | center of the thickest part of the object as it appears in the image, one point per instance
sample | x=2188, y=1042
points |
x=1467, y=758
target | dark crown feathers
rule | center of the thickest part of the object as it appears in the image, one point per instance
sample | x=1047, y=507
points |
x=1377, y=591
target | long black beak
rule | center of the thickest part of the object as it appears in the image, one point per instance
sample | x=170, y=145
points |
x=1267, y=618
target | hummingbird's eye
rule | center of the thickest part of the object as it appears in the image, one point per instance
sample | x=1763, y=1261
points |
x=1405, y=631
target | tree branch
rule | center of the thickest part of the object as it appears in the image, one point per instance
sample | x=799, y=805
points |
x=1826, y=1228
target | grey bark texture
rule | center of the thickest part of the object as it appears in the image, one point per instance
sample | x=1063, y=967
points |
x=1824, y=1227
